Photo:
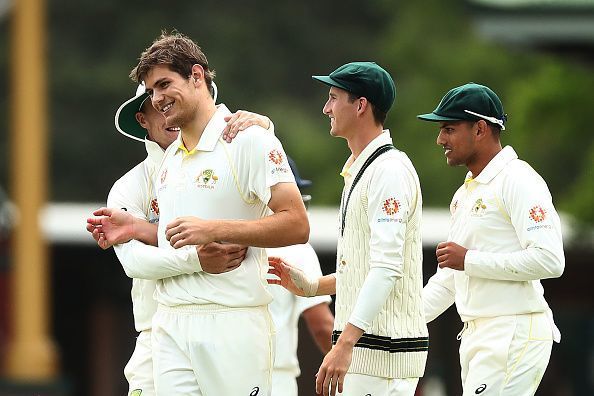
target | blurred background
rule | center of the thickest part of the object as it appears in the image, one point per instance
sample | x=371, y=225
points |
x=72, y=299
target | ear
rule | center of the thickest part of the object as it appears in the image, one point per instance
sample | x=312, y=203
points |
x=140, y=119
x=363, y=105
x=197, y=74
x=482, y=130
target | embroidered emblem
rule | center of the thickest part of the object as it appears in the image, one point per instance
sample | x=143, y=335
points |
x=136, y=392
x=163, y=176
x=275, y=157
x=480, y=389
x=391, y=206
x=155, y=206
x=538, y=214
x=478, y=209
x=207, y=179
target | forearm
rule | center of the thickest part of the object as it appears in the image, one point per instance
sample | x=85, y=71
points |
x=149, y=262
x=145, y=232
x=283, y=228
x=349, y=336
x=525, y=265
x=376, y=288
x=327, y=285
x=436, y=299
x=320, y=323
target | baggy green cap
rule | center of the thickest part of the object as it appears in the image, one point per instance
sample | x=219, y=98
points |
x=366, y=79
x=469, y=102
x=125, y=117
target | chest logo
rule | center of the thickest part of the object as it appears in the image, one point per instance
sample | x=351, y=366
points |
x=155, y=206
x=479, y=208
x=537, y=214
x=391, y=206
x=163, y=176
x=207, y=179
x=275, y=157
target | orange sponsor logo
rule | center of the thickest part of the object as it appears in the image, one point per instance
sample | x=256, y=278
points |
x=275, y=157
x=391, y=206
x=538, y=214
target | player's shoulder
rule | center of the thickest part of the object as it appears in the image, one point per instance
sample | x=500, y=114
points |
x=134, y=176
x=253, y=134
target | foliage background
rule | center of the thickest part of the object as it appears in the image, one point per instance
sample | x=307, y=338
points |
x=264, y=53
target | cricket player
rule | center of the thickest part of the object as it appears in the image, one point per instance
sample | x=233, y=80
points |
x=212, y=334
x=380, y=335
x=137, y=119
x=505, y=236
x=287, y=308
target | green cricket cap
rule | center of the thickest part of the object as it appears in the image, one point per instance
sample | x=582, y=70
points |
x=125, y=117
x=469, y=102
x=366, y=79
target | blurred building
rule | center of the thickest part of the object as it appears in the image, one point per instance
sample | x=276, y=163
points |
x=561, y=27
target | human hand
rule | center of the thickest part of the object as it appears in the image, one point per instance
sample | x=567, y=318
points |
x=111, y=227
x=216, y=258
x=291, y=278
x=189, y=231
x=330, y=376
x=450, y=255
x=241, y=120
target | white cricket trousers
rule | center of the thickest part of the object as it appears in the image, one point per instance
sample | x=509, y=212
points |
x=361, y=384
x=284, y=383
x=139, y=370
x=212, y=350
x=505, y=355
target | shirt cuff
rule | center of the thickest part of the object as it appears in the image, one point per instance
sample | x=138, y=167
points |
x=193, y=258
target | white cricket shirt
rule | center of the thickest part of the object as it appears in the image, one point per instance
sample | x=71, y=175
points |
x=506, y=218
x=134, y=191
x=220, y=180
x=286, y=308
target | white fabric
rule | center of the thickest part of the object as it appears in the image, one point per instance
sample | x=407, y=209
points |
x=286, y=308
x=139, y=370
x=218, y=180
x=506, y=217
x=506, y=355
x=375, y=290
x=360, y=384
x=212, y=350
x=382, y=230
x=284, y=383
x=135, y=192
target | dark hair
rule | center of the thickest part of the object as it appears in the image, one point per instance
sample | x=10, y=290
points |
x=378, y=115
x=178, y=52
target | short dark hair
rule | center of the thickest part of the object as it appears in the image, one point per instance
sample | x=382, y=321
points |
x=378, y=115
x=178, y=52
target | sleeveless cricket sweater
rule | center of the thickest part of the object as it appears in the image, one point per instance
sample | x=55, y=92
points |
x=396, y=344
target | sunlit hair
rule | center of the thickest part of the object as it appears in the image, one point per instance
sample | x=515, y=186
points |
x=178, y=52
x=378, y=115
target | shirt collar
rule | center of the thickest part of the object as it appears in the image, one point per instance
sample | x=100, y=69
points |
x=352, y=166
x=496, y=165
x=154, y=151
x=211, y=134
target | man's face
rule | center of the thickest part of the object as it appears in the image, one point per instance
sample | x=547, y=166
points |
x=341, y=111
x=458, y=140
x=172, y=95
x=154, y=122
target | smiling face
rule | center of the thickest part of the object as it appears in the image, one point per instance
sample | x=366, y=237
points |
x=154, y=122
x=342, y=112
x=458, y=138
x=172, y=95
